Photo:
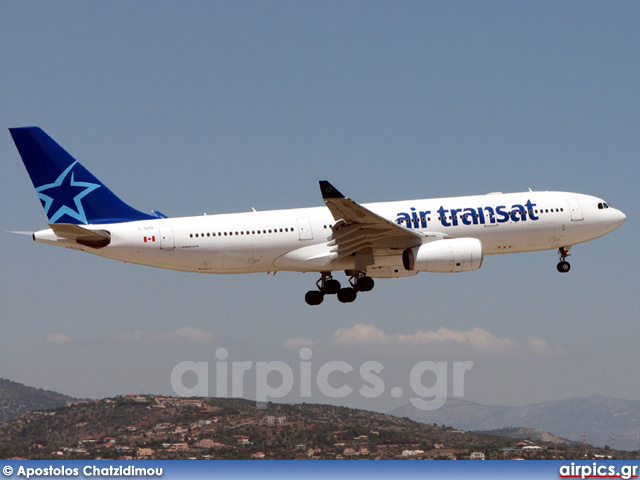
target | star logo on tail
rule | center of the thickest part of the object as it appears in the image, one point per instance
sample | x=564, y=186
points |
x=64, y=196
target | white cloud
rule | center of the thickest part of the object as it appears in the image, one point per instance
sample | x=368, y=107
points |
x=186, y=334
x=539, y=346
x=475, y=340
x=192, y=335
x=298, y=343
x=135, y=336
x=59, y=338
x=360, y=334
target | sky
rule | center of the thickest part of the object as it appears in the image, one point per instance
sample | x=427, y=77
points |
x=217, y=107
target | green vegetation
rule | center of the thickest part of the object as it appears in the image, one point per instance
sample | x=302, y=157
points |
x=16, y=399
x=138, y=426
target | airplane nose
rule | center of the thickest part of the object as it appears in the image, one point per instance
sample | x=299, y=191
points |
x=618, y=218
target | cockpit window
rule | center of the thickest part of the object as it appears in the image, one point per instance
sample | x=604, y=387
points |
x=602, y=205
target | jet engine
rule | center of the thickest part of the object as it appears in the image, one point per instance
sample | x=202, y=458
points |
x=444, y=256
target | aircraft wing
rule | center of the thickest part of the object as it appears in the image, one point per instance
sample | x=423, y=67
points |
x=358, y=229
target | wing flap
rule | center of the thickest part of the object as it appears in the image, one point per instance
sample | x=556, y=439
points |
x=357, y=228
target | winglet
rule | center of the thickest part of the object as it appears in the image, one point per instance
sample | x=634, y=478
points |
x=329, y=191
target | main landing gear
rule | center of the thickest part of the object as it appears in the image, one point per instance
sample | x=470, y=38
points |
x=327, y=285
x=564, y=266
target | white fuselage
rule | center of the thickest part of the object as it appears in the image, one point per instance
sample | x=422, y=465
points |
x=297, y=239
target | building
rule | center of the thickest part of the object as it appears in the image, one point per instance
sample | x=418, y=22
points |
x=132, y=397
x=271, y=420
x=530, y=448
x=243, y=440
x=145, y=452
x=205, y=443
x=180, y=447
x=412, y=453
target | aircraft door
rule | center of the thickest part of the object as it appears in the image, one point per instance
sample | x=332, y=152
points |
x=304, y=228
x=576, y=210
x=166, y=237
x=489, y=215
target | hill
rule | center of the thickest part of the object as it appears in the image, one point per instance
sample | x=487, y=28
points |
x=137, y=426
x=16, y=399
x=601, y=418
x=528, y=433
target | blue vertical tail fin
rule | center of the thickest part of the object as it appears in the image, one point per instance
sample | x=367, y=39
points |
x=69, y=192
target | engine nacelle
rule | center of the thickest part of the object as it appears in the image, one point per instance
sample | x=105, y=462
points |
x=444, y=256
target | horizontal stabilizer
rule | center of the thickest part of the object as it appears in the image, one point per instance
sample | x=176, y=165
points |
x=81, y=235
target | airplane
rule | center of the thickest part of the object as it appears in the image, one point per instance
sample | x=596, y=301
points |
x=366, y=241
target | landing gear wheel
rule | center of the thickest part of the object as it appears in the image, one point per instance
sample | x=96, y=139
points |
x=563, y=266
x=364, y=284
x=331, y=287
x=314, y=297
x=347, y=295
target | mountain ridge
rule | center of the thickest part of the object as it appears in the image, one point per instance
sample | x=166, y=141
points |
x=600, y=419
x=17, y=398
x=162, y=427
